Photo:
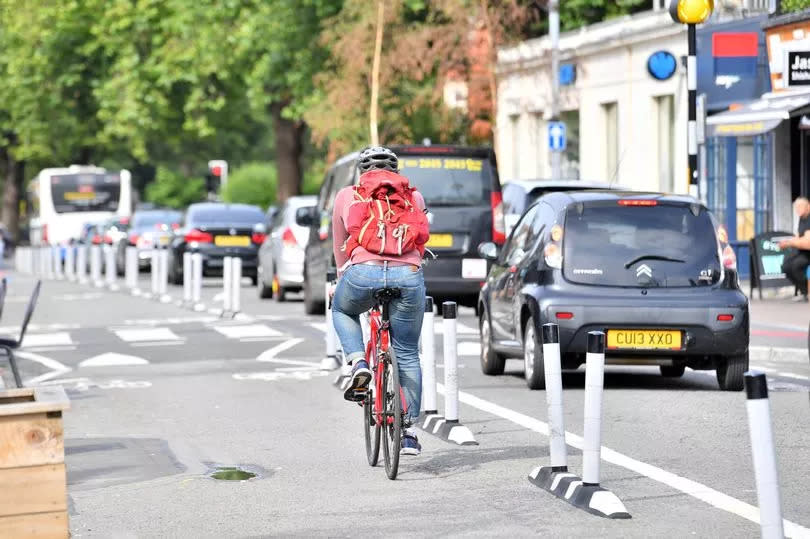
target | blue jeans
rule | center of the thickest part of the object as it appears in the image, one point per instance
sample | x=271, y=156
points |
x=355, y=295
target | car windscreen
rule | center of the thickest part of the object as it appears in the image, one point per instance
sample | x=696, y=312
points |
x=227, y=217
x=449, y=181
x=85, y=192
x=152, y=218
x=664, y=245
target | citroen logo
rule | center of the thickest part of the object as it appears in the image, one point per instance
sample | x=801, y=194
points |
x=644, y=269
x=233, y=232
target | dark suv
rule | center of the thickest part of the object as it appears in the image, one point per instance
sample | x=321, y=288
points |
x=463, y=197
x=654, y=272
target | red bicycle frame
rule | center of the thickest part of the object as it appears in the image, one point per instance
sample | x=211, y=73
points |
x=379, y=333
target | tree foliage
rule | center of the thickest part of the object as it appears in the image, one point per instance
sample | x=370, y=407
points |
x=789, y=6
x=253, y=183
x=173, y=190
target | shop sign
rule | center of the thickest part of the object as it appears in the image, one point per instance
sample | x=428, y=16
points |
x=797, y=68
x=661, y=65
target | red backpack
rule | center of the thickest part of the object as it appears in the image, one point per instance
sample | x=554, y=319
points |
x=383, y=217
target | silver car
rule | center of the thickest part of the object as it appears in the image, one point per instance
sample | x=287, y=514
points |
x=281, y=256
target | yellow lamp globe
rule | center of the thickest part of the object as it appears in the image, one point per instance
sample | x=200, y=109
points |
x=691, y=11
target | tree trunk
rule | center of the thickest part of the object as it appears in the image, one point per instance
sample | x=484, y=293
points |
x=289, y=147
x=15, y=179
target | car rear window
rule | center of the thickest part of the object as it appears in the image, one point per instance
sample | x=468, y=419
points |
x=449, y=181
x=665, y=245
x=229, y=216
x=152, y=218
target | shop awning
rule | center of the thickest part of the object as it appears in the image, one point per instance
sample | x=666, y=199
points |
x=759, y=116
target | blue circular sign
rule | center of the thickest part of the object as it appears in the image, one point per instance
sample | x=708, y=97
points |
x=661, y=65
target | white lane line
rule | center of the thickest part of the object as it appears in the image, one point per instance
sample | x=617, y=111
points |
x=320, y=326
x=246, y=331
x=299, y=363
x=112, y=359
x=157, y=343
x=780, y=373
x=57, y=369
x=687, y=486
x=59, y=338
x=146, y=334
x=466, y=348
x=261, y=339
x=271, y=353
x=50, y=348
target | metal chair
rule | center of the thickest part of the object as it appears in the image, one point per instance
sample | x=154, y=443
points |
x=9, y=345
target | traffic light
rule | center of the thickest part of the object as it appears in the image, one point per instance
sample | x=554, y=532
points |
x=690, y=11
x=217, y=175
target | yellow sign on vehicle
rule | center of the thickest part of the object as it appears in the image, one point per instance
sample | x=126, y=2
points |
x=232, y=241
x=644, y=339
x=440, y=240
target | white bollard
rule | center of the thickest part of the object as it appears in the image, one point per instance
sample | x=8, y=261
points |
x=197, y=270
x=428, y=360
x=81, y=264
x=764, y=456
x=187, y=277
x=227, y=288
x=131, y=268
x=70, y=262
x=155, y=271
x=56, y=253
x=47, y=262
x=236, y=283
x=95, y=265
x=553, y=374
x=594, y=383
x=109, y=266
x=164, y=274
x=450, y=349
x=330, y=361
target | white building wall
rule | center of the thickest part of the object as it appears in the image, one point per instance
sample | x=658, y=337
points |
x=611, y=63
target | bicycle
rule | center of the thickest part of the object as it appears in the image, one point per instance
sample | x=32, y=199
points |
x=384, y=404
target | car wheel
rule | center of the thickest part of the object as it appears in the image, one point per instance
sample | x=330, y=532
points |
x=265, y=292
x=175, y=273
x=730, y=372
x=491, y=362
x=254, y=280
x=311, y=305
x=119, y=264
x=672, y=371
x=279, y=293
x=533, y=358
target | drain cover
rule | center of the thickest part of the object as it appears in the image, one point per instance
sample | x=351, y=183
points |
x=231, y=473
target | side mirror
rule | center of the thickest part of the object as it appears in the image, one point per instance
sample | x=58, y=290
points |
x=260, y=228
x=488, y=250
x=304, y=216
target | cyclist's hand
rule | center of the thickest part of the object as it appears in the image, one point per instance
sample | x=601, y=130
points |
x=332, y=288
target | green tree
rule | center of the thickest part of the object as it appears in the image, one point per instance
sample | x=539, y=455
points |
x=789, y=6
x=252, y=183
x=174, y=190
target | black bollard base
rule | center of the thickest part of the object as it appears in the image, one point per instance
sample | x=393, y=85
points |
x=449, y=431
x=569, y=487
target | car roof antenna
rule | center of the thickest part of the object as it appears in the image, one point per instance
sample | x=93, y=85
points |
x=618, y=166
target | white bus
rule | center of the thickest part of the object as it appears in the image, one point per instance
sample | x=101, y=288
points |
x=64, y=199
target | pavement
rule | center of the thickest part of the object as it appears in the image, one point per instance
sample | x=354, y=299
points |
x=162, y=395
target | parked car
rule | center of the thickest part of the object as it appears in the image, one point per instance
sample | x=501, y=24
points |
x=463, y=197
x=520, y=194
x=654, y=272
x=218, y=230
x=281, y=256
x=148, y=229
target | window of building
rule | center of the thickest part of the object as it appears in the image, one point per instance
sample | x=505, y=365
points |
x=515, y=125
x=610, y=113
x=570, y=158
x=665, y=138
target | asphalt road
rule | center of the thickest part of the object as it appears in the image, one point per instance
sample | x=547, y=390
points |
x=162, y=395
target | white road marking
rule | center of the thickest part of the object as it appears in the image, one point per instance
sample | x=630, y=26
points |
x=50, y=348
x=112, y=359
x=157, y=343
x=791, y=375
x=146, y=334
x=270, y=353
x=297, y=362
x=275, y=375
x=15, y=330
x=59, y=338
x=262, y=339
x=246, y=331
x=168, y=321
x=469, y=348
x=57, y=369
x=687, y=486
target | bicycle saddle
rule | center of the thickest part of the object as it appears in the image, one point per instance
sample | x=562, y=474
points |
x=385, y=295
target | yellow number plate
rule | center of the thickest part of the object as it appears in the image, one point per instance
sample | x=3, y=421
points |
x=643, y=339
x=440, y=240
x=231, y=241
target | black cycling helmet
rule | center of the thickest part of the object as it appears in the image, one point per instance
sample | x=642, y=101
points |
x=377, y=157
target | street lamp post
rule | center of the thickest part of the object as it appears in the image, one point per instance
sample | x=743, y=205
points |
x=691, y=13
x=554, y=34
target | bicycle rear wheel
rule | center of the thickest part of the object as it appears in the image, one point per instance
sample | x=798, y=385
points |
x=392, y=416
x=371, y=430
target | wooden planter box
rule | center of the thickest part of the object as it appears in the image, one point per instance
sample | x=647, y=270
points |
x=33, y=484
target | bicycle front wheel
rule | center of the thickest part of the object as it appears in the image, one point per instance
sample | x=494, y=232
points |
x=392, y=416
x=372, y=430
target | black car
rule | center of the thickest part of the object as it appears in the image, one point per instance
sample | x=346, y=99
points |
x=654, y=272
x=147, y=229
x=463, y=196
x=218, y=230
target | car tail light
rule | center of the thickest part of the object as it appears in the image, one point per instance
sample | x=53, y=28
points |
x=45, y=233
x=175, y=226
x=96, y=239
x=288, y=238
x=498, y=224
x=564, y=315
x=729, y=258
x=725, y=317
x=133, y=239
x=108, y=239
x=258, y=238
x=553, y=255
x=198, y=236
x=636, y=202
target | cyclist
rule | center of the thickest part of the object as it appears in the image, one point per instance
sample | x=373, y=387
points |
x=360, y=274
